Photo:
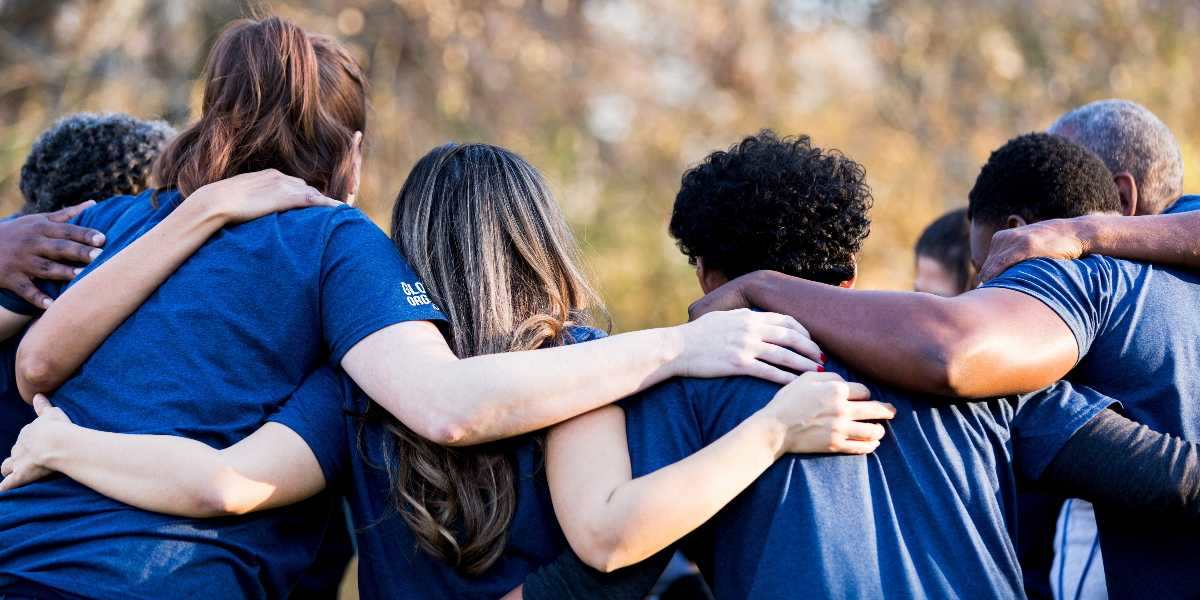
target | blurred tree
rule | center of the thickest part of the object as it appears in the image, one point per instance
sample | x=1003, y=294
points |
x=613, y=99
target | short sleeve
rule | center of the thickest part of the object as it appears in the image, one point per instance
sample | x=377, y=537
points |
x=1078, y=291
x=1047, y=418
x=365, y=284
x=661, y=426
x=1183, y=204
x=314, y=411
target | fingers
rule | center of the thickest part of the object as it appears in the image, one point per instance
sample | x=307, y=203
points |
x=73, y=233
x=70, y=212
x=30, y=292
x=41, y=404
x=865, y=432
x=783, y=357
x=6, y=468
x=791, y=338
x=770, y=373
x=869, y=411
x=997, y=263
x=854, y=447
x=815, y=376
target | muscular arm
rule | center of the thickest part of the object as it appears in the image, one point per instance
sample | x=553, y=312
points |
x=168, y=474
x=1161, y=239
x=987, y=342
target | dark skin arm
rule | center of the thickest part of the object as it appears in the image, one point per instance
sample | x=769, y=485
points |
x=988, y=342
x=1162, y=239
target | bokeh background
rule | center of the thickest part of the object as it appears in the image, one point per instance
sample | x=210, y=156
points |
x=613, y=99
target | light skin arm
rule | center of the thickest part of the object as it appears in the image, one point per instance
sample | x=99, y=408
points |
x=613, y=520
x=987, y=342
x=11, y=323
x=1162, y=239
x=168, y=474
x=83, y=317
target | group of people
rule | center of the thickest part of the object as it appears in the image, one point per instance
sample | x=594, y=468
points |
x=220, y=375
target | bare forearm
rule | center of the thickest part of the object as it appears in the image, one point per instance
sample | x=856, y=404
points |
x=159, y=473
x=79, y=322
x=647, y=514
x=497, y=396
x=985, y=343
x=1163, y=239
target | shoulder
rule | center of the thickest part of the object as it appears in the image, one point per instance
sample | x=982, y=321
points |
x=106, y=213
x=1184, y=204
x=577, y=334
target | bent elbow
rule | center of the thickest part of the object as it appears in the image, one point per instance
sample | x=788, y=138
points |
x=947, y=368
x=215, y=503
x=447, y=431
x=37, y=372
x=600, y=559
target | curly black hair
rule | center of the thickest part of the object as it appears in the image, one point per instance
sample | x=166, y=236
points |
x=88, y=156
x=1040, y=176
x=771, y=203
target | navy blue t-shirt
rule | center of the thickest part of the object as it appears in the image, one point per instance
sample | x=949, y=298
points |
x=355, y=451
x=1183, y=204
x=211, y=356
x=929, y=514
x=14, y=413
x=1138, y=330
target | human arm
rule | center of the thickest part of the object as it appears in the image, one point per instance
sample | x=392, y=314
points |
x=82, y=318
x=613, y=520
x=271, y=467
x=987, y=342
x=1114, y=460
x=1161, y=239
x=408, y=369
x=37, y=246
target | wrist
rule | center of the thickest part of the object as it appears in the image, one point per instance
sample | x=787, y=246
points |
x=672, y=348
x=211, y=213
x=1087, y=231
x=770, y=430
x=51, y=450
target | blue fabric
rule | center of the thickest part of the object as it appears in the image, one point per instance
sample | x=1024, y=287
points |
x=355, y=450
x=1183, y=204
x=14, y=413
x=1138, y=330
x=928, y=515
x=210, y=356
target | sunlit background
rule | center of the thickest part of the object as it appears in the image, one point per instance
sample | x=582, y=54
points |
x=613, y=99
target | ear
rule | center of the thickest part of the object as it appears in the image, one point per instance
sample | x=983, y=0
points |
x=1129, y=193
x=1015, y=221
x=356, y=178
x=849, y=283
x=710, y=279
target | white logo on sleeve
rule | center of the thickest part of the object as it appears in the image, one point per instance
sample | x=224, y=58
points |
x=416, y=295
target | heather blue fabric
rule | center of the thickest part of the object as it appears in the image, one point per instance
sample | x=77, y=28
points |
x=1138, y=330
x=211, y=356
x=928, y=515
x=354, y=451
x=1183, y=204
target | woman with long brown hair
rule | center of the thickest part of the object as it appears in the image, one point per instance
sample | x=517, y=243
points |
x=211, y=337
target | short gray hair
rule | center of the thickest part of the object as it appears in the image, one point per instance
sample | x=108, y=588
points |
x=1129, y=138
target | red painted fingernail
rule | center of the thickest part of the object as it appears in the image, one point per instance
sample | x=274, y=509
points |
x=820, y=369
x=823, y=359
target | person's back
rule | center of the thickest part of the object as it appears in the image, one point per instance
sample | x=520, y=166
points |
x=927, y=515
x=219, y=347
x=1137, y=329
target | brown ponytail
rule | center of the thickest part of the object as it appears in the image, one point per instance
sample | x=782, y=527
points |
x=274, y=97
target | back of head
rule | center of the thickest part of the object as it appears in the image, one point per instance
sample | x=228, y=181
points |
x=1129, y=138
x=1039, y=176
x=88, y=156
x=487, y=239
x=771, y=203
x=948, y=241
x=272, y=100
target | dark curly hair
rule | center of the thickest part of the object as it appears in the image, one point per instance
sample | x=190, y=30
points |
x=778, y=204
x=1041, y=176
x=88, y=156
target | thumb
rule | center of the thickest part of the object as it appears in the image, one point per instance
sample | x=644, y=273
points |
x=68, y=213
x=41, y=404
